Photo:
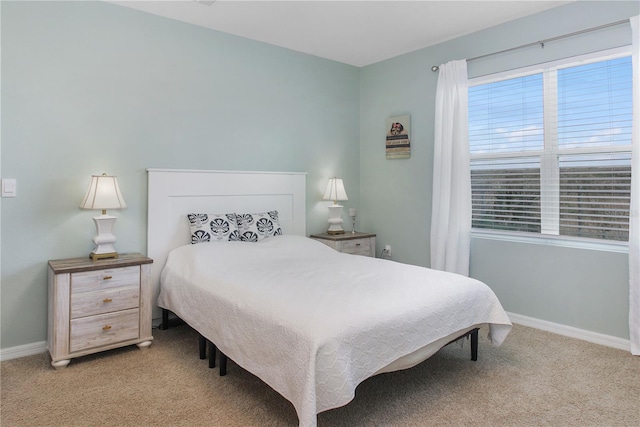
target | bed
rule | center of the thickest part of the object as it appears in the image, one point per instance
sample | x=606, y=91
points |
x=309, y=321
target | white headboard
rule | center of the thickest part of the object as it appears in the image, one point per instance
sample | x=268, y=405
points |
x=174, y=193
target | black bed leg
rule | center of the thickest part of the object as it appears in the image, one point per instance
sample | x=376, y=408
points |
x=202, y=346
x=474, y=344
x=212, y=354
x=223, y=364
x=165, y=320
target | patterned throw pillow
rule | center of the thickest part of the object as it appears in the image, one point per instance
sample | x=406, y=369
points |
x=258, y=226
x=213, y=227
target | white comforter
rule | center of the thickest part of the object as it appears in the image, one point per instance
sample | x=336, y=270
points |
x=312, y=322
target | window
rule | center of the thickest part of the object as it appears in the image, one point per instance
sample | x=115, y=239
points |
x=551, y=148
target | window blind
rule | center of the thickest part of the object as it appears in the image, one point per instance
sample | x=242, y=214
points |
x=551, y=150
x=595, y=194
x=506, y=116
x=595, y=104
x=505, y=194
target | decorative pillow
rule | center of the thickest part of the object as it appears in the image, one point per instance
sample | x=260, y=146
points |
x=258, y=226
x=213, y=227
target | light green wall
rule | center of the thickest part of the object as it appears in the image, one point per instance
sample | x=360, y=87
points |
x=92, y=87
x=580, y=288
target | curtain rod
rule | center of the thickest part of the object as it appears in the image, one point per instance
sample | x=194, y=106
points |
x=543, y=42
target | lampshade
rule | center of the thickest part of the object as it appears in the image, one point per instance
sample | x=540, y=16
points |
x=103, y=193
x=335, y=190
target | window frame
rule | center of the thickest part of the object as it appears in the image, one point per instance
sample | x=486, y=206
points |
x=548, y=167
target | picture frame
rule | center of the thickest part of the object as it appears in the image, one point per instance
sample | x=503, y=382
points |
x=398, y=140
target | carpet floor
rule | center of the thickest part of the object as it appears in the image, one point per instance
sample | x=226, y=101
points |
x=534, y=379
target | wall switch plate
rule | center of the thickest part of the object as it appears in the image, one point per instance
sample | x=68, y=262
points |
x=8, y=187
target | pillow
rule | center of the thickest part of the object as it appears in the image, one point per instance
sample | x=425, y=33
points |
x=213, y=227
x=258, y=226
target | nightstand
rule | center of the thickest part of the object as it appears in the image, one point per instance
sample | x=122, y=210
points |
x=98, y=305
x=349, y=243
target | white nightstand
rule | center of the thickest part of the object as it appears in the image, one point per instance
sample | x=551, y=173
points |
x=98, y=305
x=349, y=243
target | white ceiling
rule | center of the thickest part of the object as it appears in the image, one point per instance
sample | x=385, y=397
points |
x=353, y=32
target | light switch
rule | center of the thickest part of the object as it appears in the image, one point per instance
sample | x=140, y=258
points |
x=8, y=187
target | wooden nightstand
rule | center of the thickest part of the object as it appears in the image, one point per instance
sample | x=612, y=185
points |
x=98, y=305
x=350, y=243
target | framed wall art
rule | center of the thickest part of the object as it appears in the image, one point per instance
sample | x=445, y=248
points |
x=398, y=140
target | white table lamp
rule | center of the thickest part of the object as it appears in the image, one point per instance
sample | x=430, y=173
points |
x=103, y=193
x=335, y=191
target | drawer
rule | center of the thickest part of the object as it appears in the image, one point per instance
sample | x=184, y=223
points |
x=88, y=281
x=331, y=244
x=104, y=301
x=104, y=329
x=356, y=247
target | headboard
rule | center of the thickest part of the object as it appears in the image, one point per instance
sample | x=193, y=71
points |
x=174, y=193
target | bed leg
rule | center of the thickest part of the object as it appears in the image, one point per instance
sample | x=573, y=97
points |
x=223, y=364
x=212, y=354
x=165, y=320
x=474, y=344
x=202, y=346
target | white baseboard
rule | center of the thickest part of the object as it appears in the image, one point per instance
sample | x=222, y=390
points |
x=556, y=328
x=23, y=350
x=570, y=331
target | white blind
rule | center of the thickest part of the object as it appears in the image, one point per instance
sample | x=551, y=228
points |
x=595, y=105
x=595, y=193
x=506, y=116
x=505, y=194
x=550, y=151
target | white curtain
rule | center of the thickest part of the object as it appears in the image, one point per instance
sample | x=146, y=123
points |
x=634, y=213
x=451, y=204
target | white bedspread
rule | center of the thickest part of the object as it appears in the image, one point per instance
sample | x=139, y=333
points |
x=313, y=323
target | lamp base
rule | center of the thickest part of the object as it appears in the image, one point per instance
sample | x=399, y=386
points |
x=94, y=256
x=105, y=238
x=335, y=220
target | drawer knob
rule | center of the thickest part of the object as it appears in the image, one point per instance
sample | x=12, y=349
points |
x=107, y=300
x=107, y=278
x=358, y=244
x=106, y=327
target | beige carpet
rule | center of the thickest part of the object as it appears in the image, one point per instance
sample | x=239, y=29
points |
x=534, y=379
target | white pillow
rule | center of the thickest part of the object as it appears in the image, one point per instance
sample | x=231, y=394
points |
x=213, y=227
x=258, y=226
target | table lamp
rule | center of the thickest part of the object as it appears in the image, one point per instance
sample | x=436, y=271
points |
x=103, y=193
x=335, y=191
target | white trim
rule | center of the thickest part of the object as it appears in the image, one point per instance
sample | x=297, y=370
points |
x=23, y=350
x=206, y=171
x=549, y=240
x=571, y=332
x=549, y=165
